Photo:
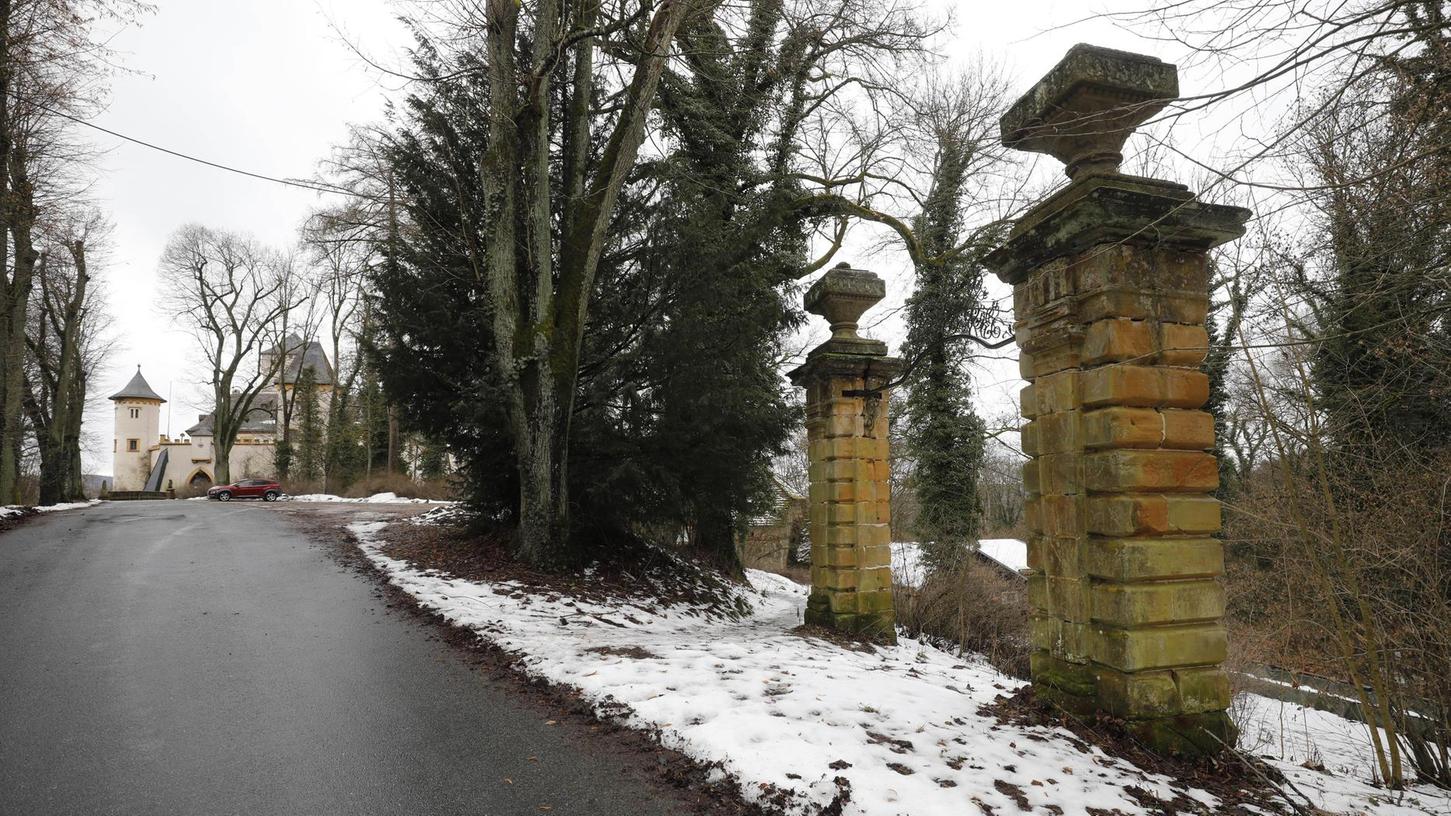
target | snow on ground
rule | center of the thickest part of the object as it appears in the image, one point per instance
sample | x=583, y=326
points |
x=16, y=510
x=66, y=506
x=908, y=569
x=1292, y=737
x=776, y=710
x=376, y=498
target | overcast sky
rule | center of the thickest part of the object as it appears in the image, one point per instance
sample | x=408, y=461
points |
x=270, y=86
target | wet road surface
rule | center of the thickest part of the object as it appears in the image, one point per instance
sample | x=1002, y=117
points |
x=197, y=658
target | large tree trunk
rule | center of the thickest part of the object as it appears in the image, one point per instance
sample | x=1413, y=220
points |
x=223, y=436
x=20, y=213
x=540, y=297
x=7, y=292
x=75, y=489
x=61, y=436
x=543, y=485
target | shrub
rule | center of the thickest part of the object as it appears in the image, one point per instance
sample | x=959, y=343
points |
x=974, y=608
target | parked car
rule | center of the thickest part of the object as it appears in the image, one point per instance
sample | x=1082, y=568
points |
x=264, y=489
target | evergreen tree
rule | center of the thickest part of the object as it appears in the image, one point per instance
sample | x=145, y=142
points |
x=310, y=450
x=677, y=403
x=1381, y=364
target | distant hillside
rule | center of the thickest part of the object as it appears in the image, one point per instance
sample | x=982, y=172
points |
x=93, y=482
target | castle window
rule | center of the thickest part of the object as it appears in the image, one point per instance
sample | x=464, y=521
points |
x=135, y=413
x=133, y=445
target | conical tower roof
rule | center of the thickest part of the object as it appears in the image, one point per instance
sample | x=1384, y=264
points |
x=137, y=389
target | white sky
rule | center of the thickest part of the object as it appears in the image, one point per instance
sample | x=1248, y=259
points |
x=270, y=86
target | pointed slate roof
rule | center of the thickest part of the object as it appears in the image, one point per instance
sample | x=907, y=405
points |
x=312, y=356
x=137, y=389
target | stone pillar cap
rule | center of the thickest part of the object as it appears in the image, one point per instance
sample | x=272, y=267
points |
x=842, y=296
x=1083, y=110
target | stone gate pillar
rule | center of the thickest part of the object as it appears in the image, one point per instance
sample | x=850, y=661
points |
x=1110, y=295
x=846, y=429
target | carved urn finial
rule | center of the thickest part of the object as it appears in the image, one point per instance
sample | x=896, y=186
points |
x=1083, y=110
x=842, y=296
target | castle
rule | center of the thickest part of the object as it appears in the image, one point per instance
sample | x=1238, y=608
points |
x=146, y=459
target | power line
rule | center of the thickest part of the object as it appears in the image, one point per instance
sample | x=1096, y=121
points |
x=305, y=185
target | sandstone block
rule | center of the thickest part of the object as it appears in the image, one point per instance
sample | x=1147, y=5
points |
x=1144, y=386
x=1156, y=470
x=1125, y=427
x=1152, y=514
x=1062, y=639
x=1068, y=599
x=1146, y=604
x=1183, y=345
x=1057, y=556
x=1057, y=392
x=1159, y=647
x=1073, y=677
x=1028, y=438
x=1038, y=593
x=1118, y=339
x=1203, y=690
x=873, y=579
x=1060, y=515
x=1145, y=559
x=1135, y=696
x=874, y=556
x=1057, y=432
x=1187, y=430
x=1033, y=514
x=844, y=425
x=1060, y=473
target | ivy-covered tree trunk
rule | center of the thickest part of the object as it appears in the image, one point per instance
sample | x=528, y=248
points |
x=947, y=311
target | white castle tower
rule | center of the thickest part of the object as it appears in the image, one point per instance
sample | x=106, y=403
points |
x=138, y=431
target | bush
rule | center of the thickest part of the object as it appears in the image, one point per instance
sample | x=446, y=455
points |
x=974, y=608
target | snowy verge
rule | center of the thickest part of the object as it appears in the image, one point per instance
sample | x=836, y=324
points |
x=10, y=510
x=786, y=716
x=376, y=498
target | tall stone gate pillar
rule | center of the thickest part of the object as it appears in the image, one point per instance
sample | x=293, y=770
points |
x=1110, y=295
x=846, y=428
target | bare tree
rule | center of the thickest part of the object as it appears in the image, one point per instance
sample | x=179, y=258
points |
x=55, y=395
x=51, y=69
x=231, y=294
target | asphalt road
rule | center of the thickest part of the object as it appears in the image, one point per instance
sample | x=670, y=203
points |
x=195, y=658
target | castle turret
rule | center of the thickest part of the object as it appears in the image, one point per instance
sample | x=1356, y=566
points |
x=138, y=430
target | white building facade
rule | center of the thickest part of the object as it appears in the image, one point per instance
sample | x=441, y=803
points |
x=147, y=460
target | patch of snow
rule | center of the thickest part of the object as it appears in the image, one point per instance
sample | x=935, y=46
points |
x=777, y=710
x=907, y=566
x=15, y=510
x=67, y=506
x=376, y=498
x=1290, y=737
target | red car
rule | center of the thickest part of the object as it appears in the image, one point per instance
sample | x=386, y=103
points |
x=264, y=489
